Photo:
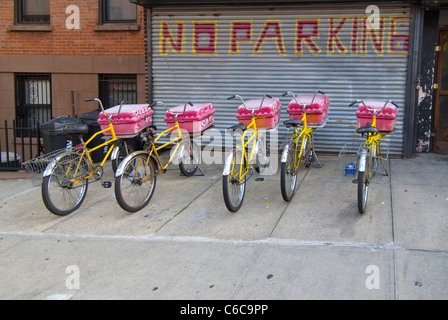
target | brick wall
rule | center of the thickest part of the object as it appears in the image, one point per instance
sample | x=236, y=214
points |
x=89, y=40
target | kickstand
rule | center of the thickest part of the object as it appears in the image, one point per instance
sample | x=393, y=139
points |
x=200, y=174
x=386, y=173
x=316, y=158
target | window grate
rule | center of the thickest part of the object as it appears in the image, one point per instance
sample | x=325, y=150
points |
x=115, y=88
x=33, y=100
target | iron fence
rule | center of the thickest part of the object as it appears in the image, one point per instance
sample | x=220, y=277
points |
x=17, y=145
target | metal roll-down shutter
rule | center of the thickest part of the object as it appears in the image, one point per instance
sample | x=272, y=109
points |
x=208, y=54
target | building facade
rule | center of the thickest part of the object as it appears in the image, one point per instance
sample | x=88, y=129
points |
x=205, y=51
x=55, y=54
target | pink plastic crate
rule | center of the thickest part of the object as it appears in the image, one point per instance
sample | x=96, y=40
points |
x=267, y=117
x=196, y=118
x=132, y=119
x=316, y=114
x=385, y=120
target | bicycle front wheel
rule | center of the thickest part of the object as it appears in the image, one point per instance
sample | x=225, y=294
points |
x=64, y=190
x=135, y=186
x=363, y=192
x=288, y=175
x=365, y=178
x=233, y=185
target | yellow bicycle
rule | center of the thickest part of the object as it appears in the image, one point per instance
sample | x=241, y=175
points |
x=238, y=167
x=369, y=154
x=298, y=151
x=66, y=178
x=135, y=179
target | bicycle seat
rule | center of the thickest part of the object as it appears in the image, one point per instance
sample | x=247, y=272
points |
x=240, y=126
x=293, y=123
x=367, y=129
x=76, y=129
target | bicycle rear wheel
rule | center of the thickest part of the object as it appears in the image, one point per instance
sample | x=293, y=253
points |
x=135, y=186
x=288, y=175
x=234, y=186
x=60, y=194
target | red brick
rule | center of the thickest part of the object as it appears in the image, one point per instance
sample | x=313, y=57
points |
x=62, y=41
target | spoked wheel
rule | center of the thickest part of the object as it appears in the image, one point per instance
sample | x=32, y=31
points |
x=190, y=158
x=135, y=186
x=295, y=162
x=288, y=176
x=233, y=186
x=307, y=155
x=64, y=190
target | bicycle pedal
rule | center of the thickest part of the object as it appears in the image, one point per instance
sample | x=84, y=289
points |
x=355, y=181
x=107, y=184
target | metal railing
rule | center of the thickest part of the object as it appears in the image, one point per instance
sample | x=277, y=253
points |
x=17, y=145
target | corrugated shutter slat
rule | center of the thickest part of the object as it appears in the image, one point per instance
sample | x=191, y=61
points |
x=359, y=73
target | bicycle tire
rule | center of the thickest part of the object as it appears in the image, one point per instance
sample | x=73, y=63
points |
x=135, y=187
x=288, y=176
x=306, y=153
x=363, y=192
x=57, y=189
x=233, y=189
x=189, y=162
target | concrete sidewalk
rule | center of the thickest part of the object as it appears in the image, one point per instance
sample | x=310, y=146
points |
x=186, y=245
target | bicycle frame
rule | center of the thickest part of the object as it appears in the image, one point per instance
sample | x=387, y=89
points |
x=305, y=133
x=229, y=163
x=86, y=153
x=243, y=145
x=155, y=150
x=110, y=141
x=371, y=146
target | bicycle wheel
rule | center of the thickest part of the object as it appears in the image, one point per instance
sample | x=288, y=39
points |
x=363, y=192
x=365, y=177
x=60, y=194
x=288, y=175
x=189, y=158
x=307, y=156
x=233, y=186
x=135, y=187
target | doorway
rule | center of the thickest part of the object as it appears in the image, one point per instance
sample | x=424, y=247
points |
x=441, y=101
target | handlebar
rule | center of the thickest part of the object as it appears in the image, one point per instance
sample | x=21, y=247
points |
x=295, y=99
x=244, y=104
x=109, y=115
x=175, y=114
x=371, y=109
